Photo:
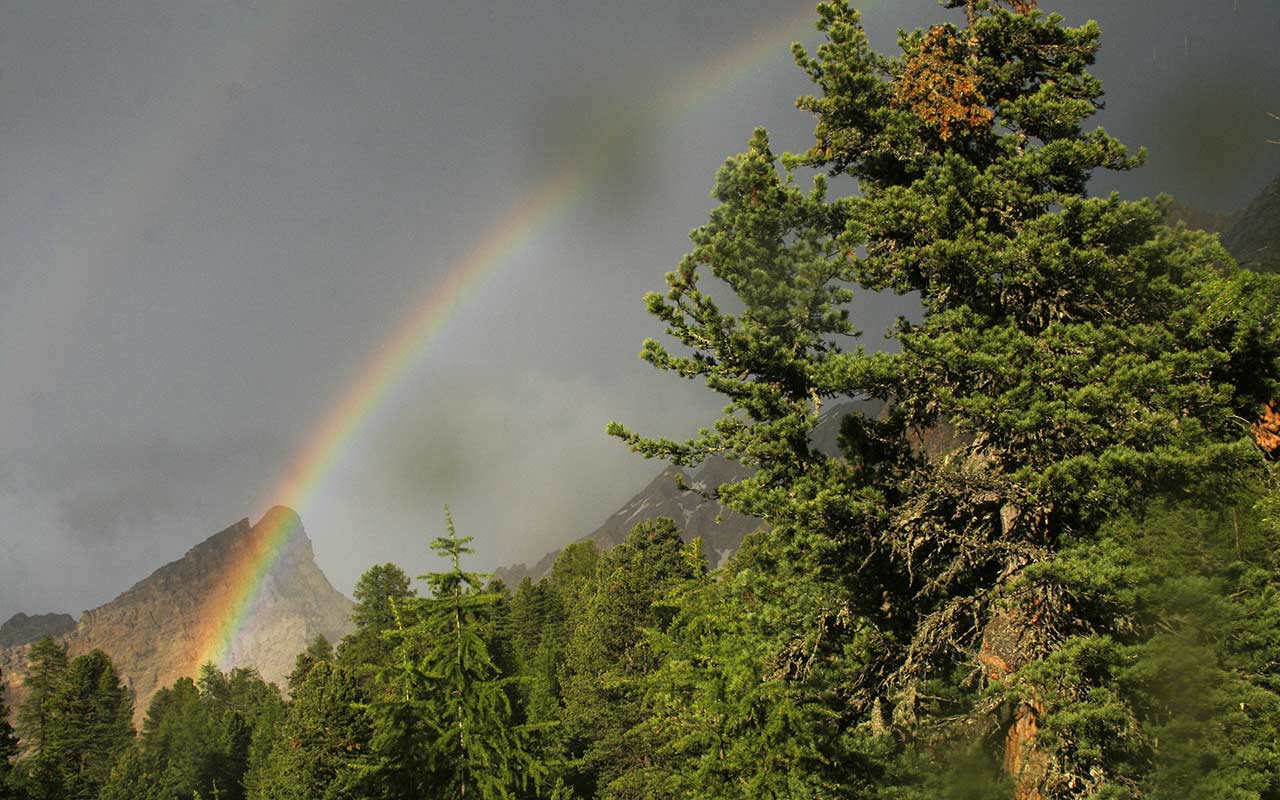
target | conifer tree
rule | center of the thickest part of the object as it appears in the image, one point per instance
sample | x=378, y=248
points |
x=443, y=722
x=724, y=718
x=609, y=654
x=322, y=743
x=1093, y=362
x=381, y=590
x=318, y=652
x=90, y=726
x=46, y=668
x=198, y=741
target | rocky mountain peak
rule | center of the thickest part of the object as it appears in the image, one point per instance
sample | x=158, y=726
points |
x=157, y=631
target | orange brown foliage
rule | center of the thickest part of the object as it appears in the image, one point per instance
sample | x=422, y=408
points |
x=941, y=87
x=1023, y=7
x=1266, y=431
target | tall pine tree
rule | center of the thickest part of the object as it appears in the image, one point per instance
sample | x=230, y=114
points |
x=90, y=726
x=1093, y=362
x=443, y=720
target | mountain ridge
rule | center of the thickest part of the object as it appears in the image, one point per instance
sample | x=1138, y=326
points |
x=156, y=630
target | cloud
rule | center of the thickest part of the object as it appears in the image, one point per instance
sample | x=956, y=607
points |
x=116, y=488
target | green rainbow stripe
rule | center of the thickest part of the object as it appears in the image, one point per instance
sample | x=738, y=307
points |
x=230, y=612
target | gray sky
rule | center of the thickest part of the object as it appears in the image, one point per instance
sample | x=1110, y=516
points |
x=215, y=212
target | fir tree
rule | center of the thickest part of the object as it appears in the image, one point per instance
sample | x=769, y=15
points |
x=198, y=741
x=444, y=720
x=90, y=726
x=379, y=592
x=322, y=743
x=609, y=654
x=318, y=652
x=1093, y=362
x=46, y=669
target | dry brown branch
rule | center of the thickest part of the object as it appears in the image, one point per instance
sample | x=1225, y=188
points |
x=942, y=88
x=1266, y=431
x=1023, y=7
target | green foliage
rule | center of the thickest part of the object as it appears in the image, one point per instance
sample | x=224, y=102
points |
x=443, y=722
x=609, y=653
x=318, y=652
x=382, y=592
x=46, y=669
x=1092, y=362
x=739, y=706
x=89, y=726
x=320, y=745
x=199, y=739
x=8, y=751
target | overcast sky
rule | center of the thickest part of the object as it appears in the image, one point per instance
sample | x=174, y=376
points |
x=215, y=212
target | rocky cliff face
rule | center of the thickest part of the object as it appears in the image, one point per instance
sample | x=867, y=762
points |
x=156, y=632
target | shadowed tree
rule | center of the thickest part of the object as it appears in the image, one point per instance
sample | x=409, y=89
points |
x=380, y=591
x=90, y=726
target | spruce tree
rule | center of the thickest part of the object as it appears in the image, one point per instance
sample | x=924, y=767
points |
x=724, y=715
x=198, y=741
x=318, y=652
x=90, y=726
x=379, y=592
x=322, y=743
x=46, y=668
x=443, y=722
x=1092, y=362
x=609, y=654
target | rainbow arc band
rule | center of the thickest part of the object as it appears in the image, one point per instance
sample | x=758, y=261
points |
x=231, y=610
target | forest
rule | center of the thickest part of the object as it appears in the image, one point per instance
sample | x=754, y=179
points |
x=1048, y=567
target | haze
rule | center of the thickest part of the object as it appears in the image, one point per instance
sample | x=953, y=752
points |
x=215, y=214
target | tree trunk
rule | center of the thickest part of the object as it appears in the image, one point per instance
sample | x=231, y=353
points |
x=1012, y=638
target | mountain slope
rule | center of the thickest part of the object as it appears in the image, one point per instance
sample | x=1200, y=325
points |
x=694, y=509
x=1254, y=239
x=156, y=631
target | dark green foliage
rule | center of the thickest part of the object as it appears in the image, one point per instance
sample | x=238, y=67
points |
x=199, y=739
x=133, y=778
x=739, y=706
x=89, y=727
x=8, y=751
x=609, y=653
x=443, y=723
x=318, y=652
x=382, y=592
x=46, y=669
x=322, y=741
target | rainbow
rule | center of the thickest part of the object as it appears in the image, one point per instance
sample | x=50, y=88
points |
x=230, y=612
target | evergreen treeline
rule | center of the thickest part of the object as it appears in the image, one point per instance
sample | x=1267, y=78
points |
x=1073, y=593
